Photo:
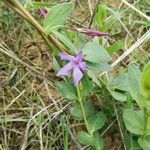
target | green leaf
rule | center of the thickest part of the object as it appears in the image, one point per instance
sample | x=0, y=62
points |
x=101, y=13
x=93, y=140
x=144, y=142
x=76, y=110
x=65, y=41
x=98, y=142
x=100, y=16
x=134, y=75
x=119, y=96
x=131, y=142
x=98, y=68
x=57, y=16
x=67, y=90
x=96, y=121
x=86, y=86
x=134, y=121
x=115, y=47
x=142, y=101
x=55, y=64
x=145, y=80
x=85, y=138
x=95, y=53
x=93, y=77
x=120, y=82
x=78, y=39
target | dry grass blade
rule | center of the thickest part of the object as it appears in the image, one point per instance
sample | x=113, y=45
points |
x=136, y=45
x=24, y=145
x=140, y=41
x=9, y=53
x=135, y=9
x=15, y=99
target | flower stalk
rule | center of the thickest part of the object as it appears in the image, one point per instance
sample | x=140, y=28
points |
x=80, y=100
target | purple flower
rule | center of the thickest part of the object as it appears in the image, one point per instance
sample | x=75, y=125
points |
x=91, y=32
x=42, y=12
x=75, y=64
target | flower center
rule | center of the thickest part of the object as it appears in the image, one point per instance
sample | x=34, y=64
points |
x=76, y=62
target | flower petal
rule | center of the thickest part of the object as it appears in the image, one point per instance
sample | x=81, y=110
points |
x=77, y=75
x=65, y=56
x=65, y=70
x=79, y=56
x=82, y=66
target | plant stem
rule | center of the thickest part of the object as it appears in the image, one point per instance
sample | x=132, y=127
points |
x=80, y=100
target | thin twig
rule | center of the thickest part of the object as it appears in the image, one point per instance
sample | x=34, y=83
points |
x=108, y=127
